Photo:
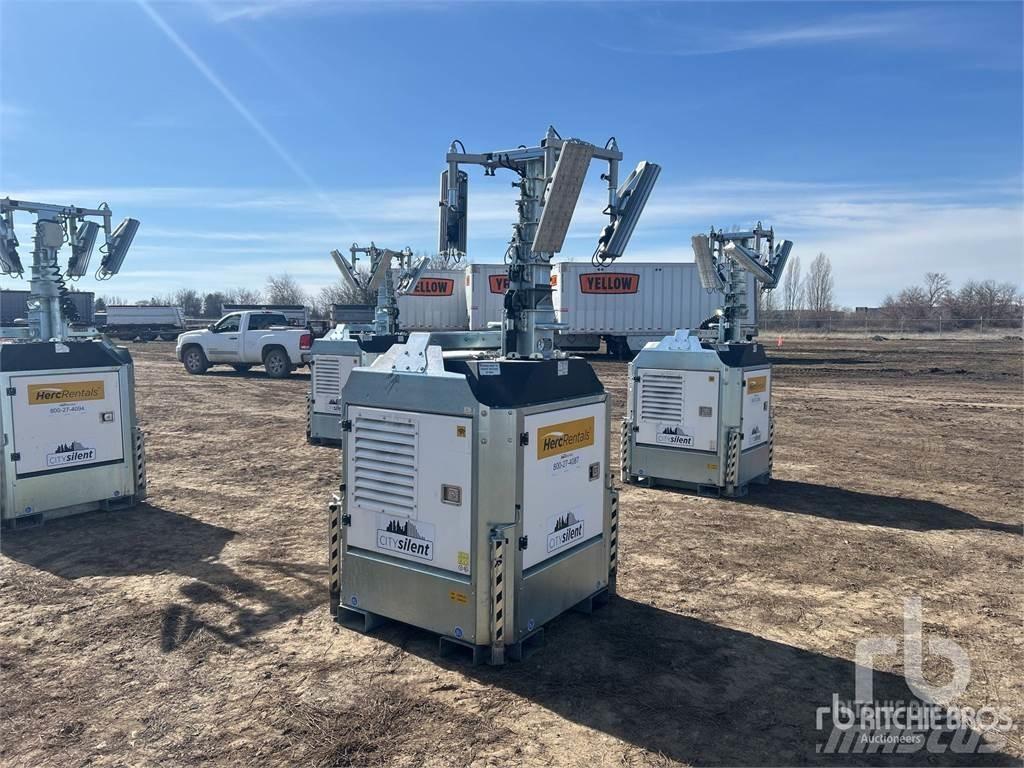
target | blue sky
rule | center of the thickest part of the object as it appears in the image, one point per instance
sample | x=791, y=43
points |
x=252, y=137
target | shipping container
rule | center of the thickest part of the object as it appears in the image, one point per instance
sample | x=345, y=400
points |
x=14, y=305
x=438, y=303
x=632, y=303
x=485, y=294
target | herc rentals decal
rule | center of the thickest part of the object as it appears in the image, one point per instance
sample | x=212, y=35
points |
x=406, y=537
x=566, y=436
x=70, y=392
x=563, y=530
x=69, y=453
x=757, y=384
x=609, y=282
x=434, y=286
x=498, y=283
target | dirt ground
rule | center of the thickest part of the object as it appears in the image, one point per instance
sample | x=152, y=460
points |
x=194, y=629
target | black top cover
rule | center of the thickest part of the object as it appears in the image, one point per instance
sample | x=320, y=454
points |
x=43, y=355
x=518, y=383
x=740, y=355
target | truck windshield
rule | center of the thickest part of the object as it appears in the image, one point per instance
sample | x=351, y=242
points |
x=266, y=320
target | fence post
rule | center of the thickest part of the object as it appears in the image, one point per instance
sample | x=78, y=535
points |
x=981, y=321
x=940, y=325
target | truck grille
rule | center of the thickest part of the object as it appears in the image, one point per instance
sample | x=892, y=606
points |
x=661, y=398
x=384, y=464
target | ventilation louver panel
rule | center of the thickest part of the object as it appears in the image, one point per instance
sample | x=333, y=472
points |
x=661, y=398
x=384, y=464
x=327, y=377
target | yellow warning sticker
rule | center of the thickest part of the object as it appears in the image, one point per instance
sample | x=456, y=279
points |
x=65, y=392
x=464, y=562
x=757, y=384
x=458, y=597
x=565, y=436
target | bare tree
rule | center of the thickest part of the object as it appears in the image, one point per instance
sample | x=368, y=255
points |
x=284, y=289
x=820, y=284
x=189, y=301
x=243, y=296
x=936, y=286
x=767, y=302
x=792, y=286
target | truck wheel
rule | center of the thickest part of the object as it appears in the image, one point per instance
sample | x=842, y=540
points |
x=277, y=364
x=242, y=367
x=194, y=360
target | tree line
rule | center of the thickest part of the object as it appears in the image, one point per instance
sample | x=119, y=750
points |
x=282, y=288
x=974, y=299
x=279, y=289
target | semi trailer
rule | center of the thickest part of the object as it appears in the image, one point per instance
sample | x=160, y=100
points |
x=632, y=304
x=148, y=322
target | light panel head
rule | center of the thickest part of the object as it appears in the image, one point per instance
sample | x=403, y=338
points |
x=81, y=248
x=631, y=198
x=710, y=277
x=10, y=262
x=348, y=273
x=117, y=248
x=452, y=232
x=562, y=196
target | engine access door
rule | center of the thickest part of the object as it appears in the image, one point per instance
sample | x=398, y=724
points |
x=66, y=421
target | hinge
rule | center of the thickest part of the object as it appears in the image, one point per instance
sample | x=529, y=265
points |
x=346, y=425
x=342, y=487
x=11, y=391
x=346, y=519
x=524, y=542
x=16, y=456
x=636, y=378
x=524, y=438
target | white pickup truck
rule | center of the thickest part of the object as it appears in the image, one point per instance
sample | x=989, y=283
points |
x=245, y=339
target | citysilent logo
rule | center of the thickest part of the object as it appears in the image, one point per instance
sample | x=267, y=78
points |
x=70, y=453
x=932, y=724
x=412, y=538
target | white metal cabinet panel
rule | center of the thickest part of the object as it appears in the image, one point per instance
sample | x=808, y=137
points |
x=329, y=374
x=409, y=483
x=757, y=394
x=66, y=421
x=677, y=409
x=563, y=480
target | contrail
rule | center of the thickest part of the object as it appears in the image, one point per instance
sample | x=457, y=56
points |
x=239, y=107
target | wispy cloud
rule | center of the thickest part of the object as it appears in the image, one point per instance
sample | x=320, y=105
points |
x=234, y=102
x=893, y=27
x=880, y=237
x=222, y=11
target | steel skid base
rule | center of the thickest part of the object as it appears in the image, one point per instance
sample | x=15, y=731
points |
x=366, y=623
x=700, y=489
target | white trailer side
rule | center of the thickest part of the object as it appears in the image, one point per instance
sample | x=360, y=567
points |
x=632, y=303
x=485, y=293
x=438, y=303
